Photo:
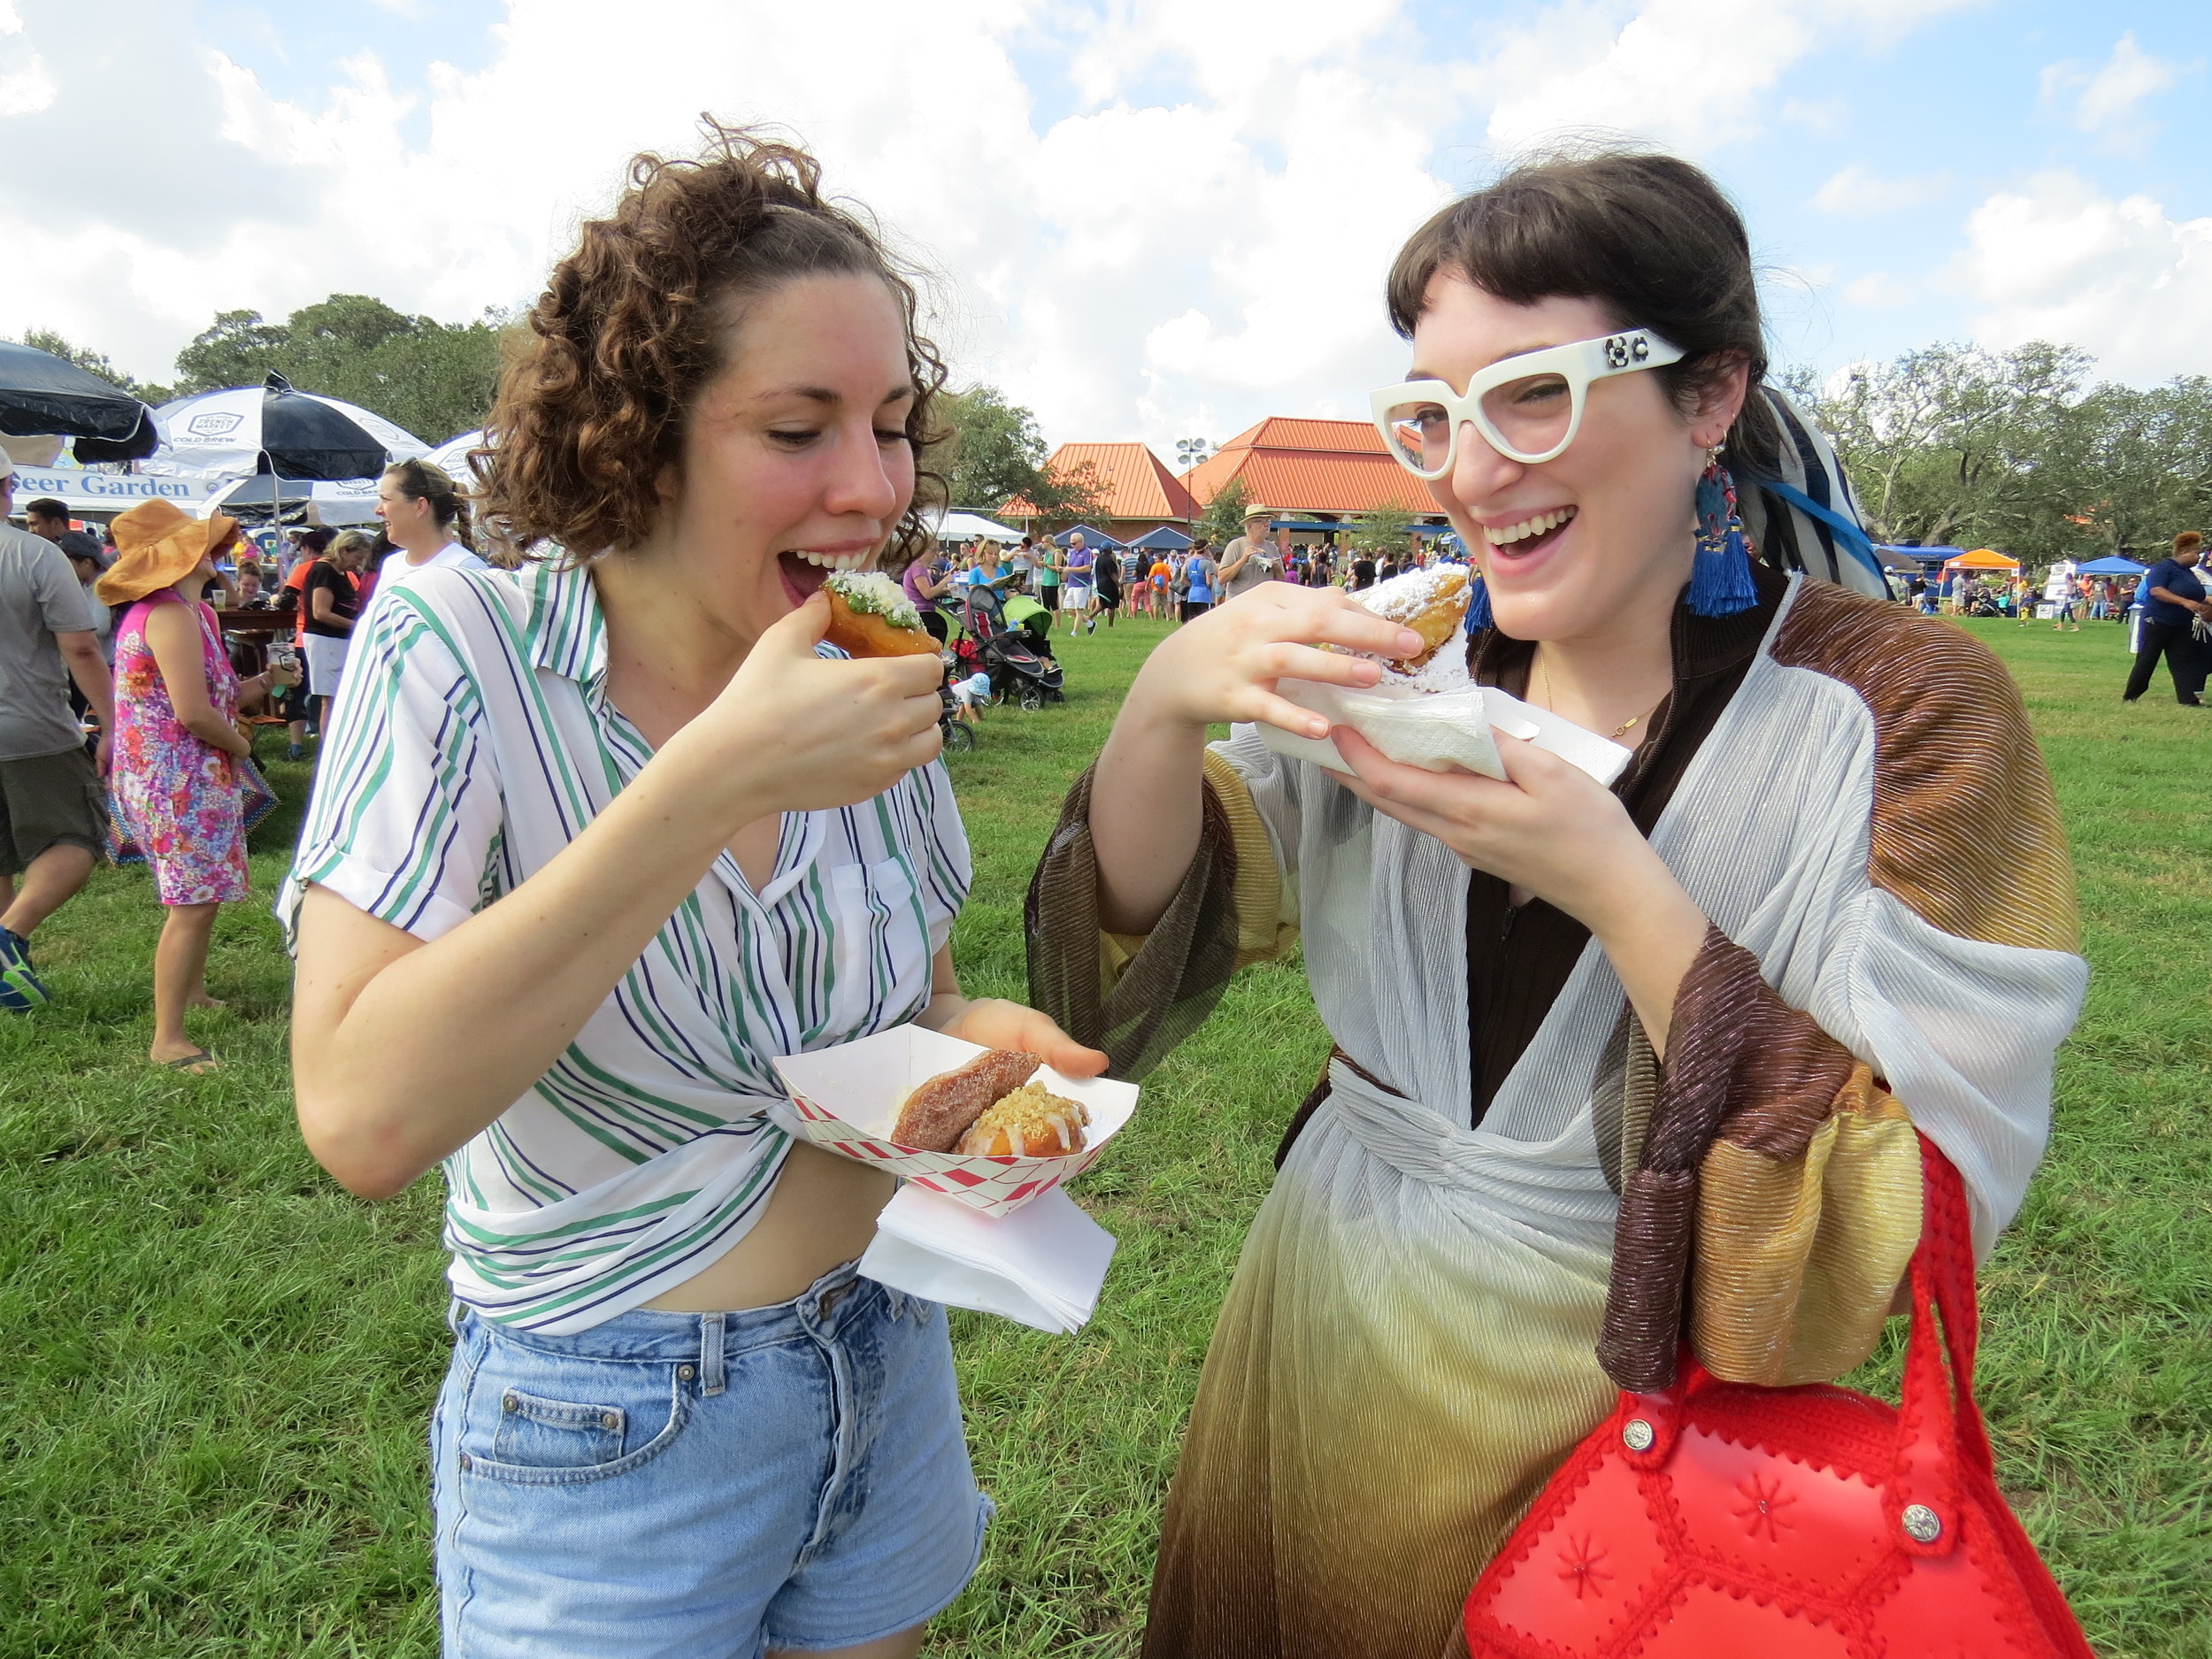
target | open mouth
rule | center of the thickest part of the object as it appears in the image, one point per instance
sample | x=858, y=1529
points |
x=1531, y=536
x=804, y=571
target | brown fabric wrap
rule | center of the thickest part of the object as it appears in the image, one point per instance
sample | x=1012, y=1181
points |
x=1643, y=1304
x=1175, y=979
x=1740, y=1061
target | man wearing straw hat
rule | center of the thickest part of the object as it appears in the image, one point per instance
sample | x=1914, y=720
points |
x=51, y=828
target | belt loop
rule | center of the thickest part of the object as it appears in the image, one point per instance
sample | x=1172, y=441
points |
x=710, y=1353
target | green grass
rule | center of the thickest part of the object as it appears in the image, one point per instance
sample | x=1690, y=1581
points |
x=219, y=1366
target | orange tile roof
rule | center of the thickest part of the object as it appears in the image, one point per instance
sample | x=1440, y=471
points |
x=1292, y=466
x=1137, y=482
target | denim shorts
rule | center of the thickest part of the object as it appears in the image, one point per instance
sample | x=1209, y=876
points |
x=704, y=1485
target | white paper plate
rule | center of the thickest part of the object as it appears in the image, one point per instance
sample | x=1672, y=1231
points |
x=845, y=1100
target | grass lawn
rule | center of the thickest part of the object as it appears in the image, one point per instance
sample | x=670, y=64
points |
x=219, y=1366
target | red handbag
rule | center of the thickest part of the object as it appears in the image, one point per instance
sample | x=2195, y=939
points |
x=1724, y=1521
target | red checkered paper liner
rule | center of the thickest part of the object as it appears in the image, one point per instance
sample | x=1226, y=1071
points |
x=845, y=1100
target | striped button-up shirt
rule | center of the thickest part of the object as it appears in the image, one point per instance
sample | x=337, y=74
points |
x=472, y=742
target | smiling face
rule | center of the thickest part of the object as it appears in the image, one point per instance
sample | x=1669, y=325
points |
x=795, y=457
x=1577, y=545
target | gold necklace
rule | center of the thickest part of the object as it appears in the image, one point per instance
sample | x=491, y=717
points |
x=1552, y=703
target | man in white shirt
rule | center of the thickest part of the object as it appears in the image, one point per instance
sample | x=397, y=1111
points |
x=1251, y=558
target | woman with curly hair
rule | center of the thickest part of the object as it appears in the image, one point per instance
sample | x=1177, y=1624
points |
x=593, y=841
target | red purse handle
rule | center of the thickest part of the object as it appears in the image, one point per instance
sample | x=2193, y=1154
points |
x=1939, y=1422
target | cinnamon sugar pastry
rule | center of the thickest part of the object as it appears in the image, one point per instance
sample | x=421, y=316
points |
x=940, y=1111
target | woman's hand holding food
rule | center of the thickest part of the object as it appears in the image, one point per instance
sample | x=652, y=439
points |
x=1224, y=666
x=995, y=1023
x=796, y=732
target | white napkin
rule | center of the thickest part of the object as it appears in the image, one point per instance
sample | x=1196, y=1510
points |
x=1440, y=731
x=1042, y=1265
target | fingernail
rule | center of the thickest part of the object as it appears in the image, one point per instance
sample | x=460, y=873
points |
x=1409, y=641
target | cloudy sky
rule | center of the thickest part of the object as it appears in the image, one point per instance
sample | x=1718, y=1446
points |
x=1150, y=220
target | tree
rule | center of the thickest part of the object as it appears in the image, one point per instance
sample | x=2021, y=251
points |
x=433, y=378
x=993, y=451
x=237, y=349
x=1223, y=520
x=994, y=454
x=93, y=362
x=1381, y=533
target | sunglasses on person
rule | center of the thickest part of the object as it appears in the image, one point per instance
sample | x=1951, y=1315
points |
x=1529, y=407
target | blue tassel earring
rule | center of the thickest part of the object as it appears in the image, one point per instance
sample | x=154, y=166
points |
x=1479, y=606
x=1720, y=576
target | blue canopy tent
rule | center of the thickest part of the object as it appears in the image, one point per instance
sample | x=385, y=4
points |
x=1092, y=538
x=2113, y=566
x=1166, y=539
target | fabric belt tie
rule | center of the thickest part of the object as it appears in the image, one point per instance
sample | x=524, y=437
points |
x=1556, y=1190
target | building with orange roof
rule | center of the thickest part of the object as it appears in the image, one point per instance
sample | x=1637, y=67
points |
x=1140, y=493
x=1314, y=475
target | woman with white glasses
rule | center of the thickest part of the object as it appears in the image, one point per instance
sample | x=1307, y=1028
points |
x=1614, y=1068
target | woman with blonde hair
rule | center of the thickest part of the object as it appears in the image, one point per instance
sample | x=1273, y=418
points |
x=1614, y=1067
x=593, y=843
x=176, y=780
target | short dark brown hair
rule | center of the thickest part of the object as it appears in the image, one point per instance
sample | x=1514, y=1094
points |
x=47, y=507
x=1650, y=237
x=593, y=405
x=2188, y=542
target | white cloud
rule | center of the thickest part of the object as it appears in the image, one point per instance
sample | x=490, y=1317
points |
x=2107, y=100
x=25, y=85
x=2059, y=260
x=1691, y=74
x=1194, y=236
x=1878, y=291
x=1856, y=191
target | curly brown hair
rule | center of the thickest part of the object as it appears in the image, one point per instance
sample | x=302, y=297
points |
x=592, y=406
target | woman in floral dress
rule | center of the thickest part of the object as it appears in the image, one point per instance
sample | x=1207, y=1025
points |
x=178, y=749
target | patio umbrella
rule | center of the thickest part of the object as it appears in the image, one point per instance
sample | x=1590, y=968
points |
x=42, y=394
x=336, y=501
x=452, y=459
x=271, y=428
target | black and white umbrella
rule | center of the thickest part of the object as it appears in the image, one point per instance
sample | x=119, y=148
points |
x=271, y=428
x=41, y=393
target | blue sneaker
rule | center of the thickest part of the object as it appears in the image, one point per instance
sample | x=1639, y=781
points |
x=20, y=990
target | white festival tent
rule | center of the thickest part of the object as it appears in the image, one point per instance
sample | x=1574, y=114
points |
x=970, y=527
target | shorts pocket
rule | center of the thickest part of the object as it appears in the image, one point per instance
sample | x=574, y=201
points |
x=582, y=1420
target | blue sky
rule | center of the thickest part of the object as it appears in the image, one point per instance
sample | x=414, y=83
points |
x=1149, y=219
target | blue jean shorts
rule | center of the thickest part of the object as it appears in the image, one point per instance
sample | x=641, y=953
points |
x=704, y=1485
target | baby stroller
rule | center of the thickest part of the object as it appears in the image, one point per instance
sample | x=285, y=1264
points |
x=1008, y=654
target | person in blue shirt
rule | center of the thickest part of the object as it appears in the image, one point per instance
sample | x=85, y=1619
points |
x=1200, y=577
x=2173, y=601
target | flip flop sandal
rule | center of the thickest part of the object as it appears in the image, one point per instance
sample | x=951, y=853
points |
x=189, y=1063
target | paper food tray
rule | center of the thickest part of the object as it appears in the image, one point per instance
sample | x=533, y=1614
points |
x=845, y=1100
x=1439, y=731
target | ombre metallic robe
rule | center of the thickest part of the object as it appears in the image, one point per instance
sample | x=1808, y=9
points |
x=1410, y=1343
